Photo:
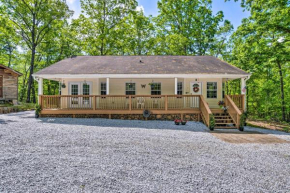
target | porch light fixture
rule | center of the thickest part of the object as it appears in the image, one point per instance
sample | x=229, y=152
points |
x=85, y=82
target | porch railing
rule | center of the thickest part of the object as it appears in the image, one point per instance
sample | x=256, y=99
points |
x=120, y=102
x=205, y=111
x=239, y=100
x=233, y=110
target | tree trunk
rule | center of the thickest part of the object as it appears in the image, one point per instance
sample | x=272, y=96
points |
x=30, y=81
x=282, y=91
x=10, y=57
x=33, y=93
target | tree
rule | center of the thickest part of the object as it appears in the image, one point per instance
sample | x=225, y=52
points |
x=97, y=27
x=8, y=41
x=136, y=35
x=34, y=20
x=187, y=27
x=262, y=44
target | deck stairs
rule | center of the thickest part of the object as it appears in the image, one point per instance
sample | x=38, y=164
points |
x=224, y=121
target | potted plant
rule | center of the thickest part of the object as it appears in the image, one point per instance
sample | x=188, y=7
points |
x=37, y=111
x=225, y=108
x=183, y=122
x=177, y=121
x=63, y=85
x=152, y=85
x=221, y=104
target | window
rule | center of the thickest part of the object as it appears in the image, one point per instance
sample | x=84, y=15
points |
x=74, y=89
x=155, y=88
x=103, y=88
x=130, y=88
x=211, y=90
x=179, y=88
x=86, y=89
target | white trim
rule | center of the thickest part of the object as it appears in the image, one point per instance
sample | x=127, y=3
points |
x=108, y=86
x=141, y=76
x=175, y=86
x=40, y=86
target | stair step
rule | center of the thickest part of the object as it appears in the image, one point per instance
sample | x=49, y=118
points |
x=223, y=123
x=224, y=119
x=226, y=127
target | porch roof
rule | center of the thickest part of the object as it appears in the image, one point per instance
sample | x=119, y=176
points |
x=134, y=65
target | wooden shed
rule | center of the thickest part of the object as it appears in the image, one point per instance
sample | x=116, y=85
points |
x=8, y=83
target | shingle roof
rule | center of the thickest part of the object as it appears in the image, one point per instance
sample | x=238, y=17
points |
x=10, y=69
x=141, y=65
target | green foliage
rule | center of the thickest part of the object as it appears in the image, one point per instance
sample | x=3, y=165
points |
x=211, y=122
x=37, y=109
x=99, y=25
x=37, y=33
x=261, y=46
x=189, y=28
x=243, y=120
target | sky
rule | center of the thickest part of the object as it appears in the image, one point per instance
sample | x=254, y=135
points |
x=232, y=10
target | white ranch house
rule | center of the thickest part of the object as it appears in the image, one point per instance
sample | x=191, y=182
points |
x=169, y=87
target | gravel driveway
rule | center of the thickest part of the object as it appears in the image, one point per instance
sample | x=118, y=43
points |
x=98, y=155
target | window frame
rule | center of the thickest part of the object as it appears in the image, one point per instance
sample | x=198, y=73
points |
x=130, y=90
x=103, y=90
x=178, y=88
x=211, y=90
x=160, y=90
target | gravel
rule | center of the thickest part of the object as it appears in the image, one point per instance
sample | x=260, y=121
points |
x=99, y=155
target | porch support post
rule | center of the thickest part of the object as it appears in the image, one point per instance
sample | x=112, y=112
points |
x=175, y=86
x=244, y=92
x=108, y=86
x=40, y=89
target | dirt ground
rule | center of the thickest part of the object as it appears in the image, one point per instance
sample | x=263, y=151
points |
x=246, y=137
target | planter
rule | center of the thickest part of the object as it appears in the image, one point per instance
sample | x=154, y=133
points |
x=36, y=115
x=177, y=122
x=183, y=122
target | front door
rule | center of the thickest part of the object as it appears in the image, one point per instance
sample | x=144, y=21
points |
x=195, y=89
x=1, y=86
x=81, y=89
x=75, y=90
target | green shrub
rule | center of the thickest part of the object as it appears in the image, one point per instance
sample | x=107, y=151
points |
x=37, y=109
x=211, y=122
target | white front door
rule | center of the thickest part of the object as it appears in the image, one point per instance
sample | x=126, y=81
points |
x=74, y=102
x=77, y=88
x=86, y=90
x=195, y=89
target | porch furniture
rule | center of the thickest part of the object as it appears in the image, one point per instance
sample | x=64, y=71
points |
x=141, y=102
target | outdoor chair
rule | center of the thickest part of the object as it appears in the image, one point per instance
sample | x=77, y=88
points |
x=141, y=102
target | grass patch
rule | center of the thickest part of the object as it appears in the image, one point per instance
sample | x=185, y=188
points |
x=269, y=125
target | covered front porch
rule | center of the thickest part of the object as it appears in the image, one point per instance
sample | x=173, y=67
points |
x=191, y=98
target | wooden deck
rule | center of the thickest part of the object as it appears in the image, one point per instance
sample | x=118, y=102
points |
x=135, y=105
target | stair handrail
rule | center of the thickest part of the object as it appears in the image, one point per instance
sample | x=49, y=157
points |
x=205, y=110
x=233, y=110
